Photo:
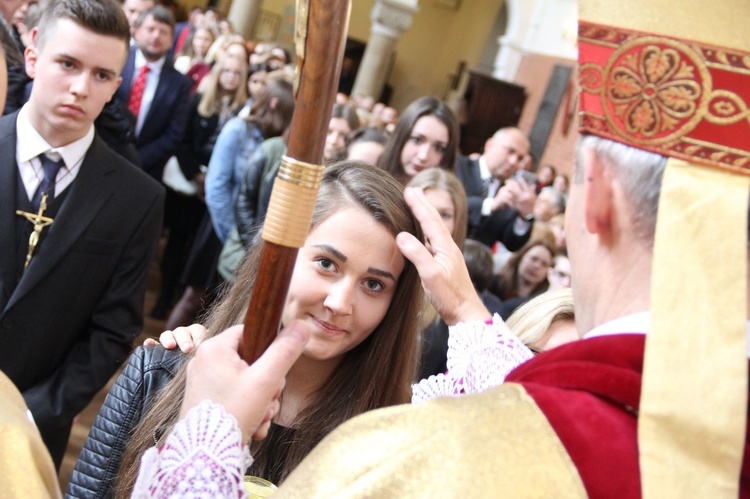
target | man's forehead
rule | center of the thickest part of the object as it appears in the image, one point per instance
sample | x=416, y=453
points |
x=511, y=136
x=66, y=32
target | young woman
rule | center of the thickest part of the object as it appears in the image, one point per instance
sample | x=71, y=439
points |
x=222, y=97
x=269, y=117
x=256, y=184
x=525, y=273
x=445, y=192
x=366, y=144
x=195, y=50
x=426, y=136
x=344, y=121
x=359, y=297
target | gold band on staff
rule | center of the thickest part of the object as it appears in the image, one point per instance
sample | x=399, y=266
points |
x=292, y=202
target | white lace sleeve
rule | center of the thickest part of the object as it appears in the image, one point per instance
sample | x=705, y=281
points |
x=203, y=456
x=480, y=356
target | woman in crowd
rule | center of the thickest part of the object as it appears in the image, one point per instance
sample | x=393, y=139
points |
x=195, y=50
x=545, y=176
x=366, y=144
x=482, y=358
x=426, y=136
x=545, y=322
x=524, y=275
x=344, y=121
x=269, y=117
x=222, y=97
x=257, y=79
x=357, y=294
x=446, y=194
x=256, y=183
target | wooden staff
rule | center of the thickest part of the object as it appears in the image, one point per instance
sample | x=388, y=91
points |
x=321, y=28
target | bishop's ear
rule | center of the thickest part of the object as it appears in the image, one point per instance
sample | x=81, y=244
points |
x=597, y=192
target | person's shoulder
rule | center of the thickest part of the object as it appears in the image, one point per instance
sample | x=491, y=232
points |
x=171, y=72
x=129, y=174
x=8, y=124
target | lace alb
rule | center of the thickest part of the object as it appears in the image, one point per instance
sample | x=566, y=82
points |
x=480, y=356
x=203, y=456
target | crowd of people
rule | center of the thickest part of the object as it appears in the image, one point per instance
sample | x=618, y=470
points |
x=428, y=272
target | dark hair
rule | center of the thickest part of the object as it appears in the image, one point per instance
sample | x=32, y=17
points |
x=367, y=134
x=258, y=66
x=390, y=350
x=347, y=112
x=505, y=285
x=103, y=17
x=390, y=160
x=273, y=122
x=159, y=13
x=478, y=258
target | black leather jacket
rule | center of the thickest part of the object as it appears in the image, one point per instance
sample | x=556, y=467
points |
x=149, y=369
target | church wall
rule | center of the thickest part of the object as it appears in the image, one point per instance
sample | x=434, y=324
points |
x=534, y=73
x=429, y=51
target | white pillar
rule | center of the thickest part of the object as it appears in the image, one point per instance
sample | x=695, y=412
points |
x=389, y=18
x=512, y=42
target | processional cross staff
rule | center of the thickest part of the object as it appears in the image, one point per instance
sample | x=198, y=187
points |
x=320, y=33
x=39, y=222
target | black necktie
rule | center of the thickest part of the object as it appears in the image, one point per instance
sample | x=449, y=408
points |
x=47, y=185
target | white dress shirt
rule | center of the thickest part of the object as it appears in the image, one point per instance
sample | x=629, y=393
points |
x=152, y=81
x=639, y=323
x=29, y=145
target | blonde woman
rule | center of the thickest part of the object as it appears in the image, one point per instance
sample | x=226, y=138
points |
x=482, y=358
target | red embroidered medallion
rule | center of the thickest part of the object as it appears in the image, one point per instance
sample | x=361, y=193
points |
x=676, y=98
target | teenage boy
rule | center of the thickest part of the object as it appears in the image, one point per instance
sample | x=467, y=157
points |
x=80, y=223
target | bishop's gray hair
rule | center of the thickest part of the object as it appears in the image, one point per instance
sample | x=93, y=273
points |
x=640, y=174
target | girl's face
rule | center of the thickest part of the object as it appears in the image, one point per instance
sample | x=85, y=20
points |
x=369, y=152
x=231, y=75
x=545, y=175
x=534, y=265
x=338, y=129
x=343, y=282
x=236, y=50
x=560, y=183
x=202, y=40
x=443, y=203
x=256, y=83
x=425, y=146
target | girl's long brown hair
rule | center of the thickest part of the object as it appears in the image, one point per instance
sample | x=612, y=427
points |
x=377, y=373
x=390, y=160
x=272, y=111
x=507, y=278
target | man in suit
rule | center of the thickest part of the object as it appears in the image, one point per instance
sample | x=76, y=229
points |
x=500, y=208
x=80, y=224
x=133, y=10
x=154, y=92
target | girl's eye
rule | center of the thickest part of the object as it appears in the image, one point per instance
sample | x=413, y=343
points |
x=326, y=264
x=416, y=139
x=374, y=285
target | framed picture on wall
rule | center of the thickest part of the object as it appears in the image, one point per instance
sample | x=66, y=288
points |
x=266, y=26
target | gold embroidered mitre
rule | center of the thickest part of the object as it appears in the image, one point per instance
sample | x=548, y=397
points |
x=674, y=78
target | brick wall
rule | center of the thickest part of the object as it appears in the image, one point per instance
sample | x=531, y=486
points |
x=534, y=73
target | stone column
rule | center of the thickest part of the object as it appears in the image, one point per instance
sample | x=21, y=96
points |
x=512, y=47
x=243, y=14
x=389, y=18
